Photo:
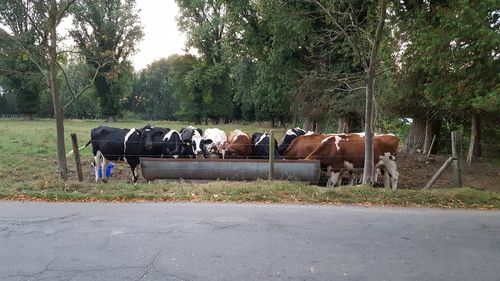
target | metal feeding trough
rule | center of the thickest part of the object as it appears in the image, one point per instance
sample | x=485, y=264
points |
x=229, y=169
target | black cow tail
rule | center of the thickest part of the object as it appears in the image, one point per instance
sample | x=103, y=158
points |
x=90, y=141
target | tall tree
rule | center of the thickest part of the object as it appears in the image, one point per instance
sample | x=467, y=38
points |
x=24, y=80
x=205, y=24
x=364, y=41
x=106, y=33
x=43, y=19
x=160, y=87
x=22, y=76
x=448, y=64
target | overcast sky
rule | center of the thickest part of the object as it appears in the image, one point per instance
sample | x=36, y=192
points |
x=161, y=36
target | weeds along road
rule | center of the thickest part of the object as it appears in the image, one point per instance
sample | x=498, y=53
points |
x=184, y=241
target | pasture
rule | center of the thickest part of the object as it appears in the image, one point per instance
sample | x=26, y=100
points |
x=28, y=170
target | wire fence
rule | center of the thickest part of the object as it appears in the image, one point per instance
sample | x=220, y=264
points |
x=11, y=116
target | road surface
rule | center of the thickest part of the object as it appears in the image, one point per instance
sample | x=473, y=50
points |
x=199, y=241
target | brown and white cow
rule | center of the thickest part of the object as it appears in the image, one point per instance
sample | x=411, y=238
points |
x=347, y=153
x=303, y=145
x=238, y=145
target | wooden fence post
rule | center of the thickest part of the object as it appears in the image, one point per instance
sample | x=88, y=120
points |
x=432, y=144
x=74, y=141
x=456, y=154
x=271, y=155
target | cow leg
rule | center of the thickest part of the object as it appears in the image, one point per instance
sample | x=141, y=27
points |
x=97, y=165
x=104, y=167
x=334, y=178
x=352, y=178
x=375, y=175
x=134, y=175
x=385, y=177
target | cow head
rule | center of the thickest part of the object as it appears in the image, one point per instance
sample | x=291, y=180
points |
x=214, y=150
x=260, y=146
x=388, y=164
x=147, y=134
x=191, y=136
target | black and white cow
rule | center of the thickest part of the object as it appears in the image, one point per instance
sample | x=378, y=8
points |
x=290, y=135
x=111, y=144
x=167, y=143
x=158, y=145
x=172, y=145
x=192, y=137
x=260, y=146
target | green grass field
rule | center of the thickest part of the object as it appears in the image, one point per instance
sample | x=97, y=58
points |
x=28, y=170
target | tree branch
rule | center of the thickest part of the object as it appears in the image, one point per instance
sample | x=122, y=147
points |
x=77, y=95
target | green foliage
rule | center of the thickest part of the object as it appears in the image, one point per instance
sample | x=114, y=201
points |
x=208, y=83
x=451, y=59
x=160, y=86
x=18, y=56
x=26, y=83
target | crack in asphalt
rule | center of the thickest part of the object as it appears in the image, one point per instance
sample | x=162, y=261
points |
x=36, y=274
x=21, y=222
x=149, y=266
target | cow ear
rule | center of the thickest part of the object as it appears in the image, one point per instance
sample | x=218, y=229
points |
x=200, y=131
x=138, y=131
x=207, y=141
x=180, y=132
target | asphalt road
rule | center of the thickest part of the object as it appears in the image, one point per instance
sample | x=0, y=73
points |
x=165, y=241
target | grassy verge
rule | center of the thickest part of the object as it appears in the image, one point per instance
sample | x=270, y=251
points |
x=28, y=171
x=259, y=191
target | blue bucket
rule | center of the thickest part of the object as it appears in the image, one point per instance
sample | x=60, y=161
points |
x=109, y=170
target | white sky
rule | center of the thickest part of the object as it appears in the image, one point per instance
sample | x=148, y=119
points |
x=161, y=36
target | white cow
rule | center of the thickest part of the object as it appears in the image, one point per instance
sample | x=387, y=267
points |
x=213, y=143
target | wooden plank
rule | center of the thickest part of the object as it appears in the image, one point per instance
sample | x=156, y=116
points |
x=74, y=141
x=438, y=173
x=456, y=154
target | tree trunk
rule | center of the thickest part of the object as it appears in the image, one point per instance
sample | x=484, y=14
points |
x=319, y=125
x=370, y=89
x=416, y=136
x=110, y=119
x=475, y=138
x=346, y=125
x=54, y=87
x=29, y=116
x=305, y=125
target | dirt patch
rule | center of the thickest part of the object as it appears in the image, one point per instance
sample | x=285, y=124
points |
x=414, y=174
